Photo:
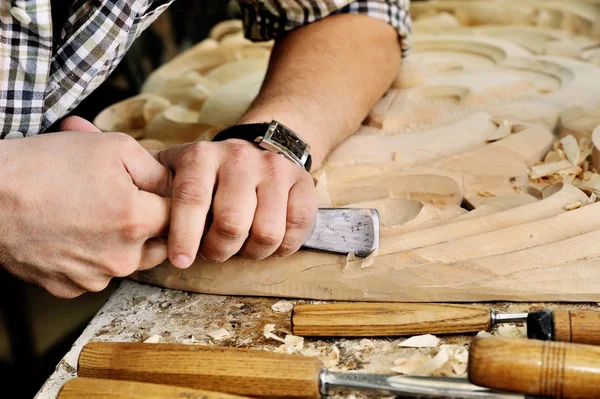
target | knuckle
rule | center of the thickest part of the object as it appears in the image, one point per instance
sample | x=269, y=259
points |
x=226, y=227
x=266, y=237
x=60, y=291
x=190, y=192
x=275, y=164
x=197, y=149
x=288, y=247
x=123, y=139
x=301, y=218
x=239, y=154
x=97, y=285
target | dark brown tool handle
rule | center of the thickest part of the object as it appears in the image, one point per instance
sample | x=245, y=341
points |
x=534, y=367
x=579, y=326
x=387, y=319
x=238, y=371
x=96, y=388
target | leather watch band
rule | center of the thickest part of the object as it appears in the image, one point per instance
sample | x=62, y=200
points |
x=249, y=132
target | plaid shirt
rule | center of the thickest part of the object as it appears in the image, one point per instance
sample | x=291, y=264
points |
x=43, y=78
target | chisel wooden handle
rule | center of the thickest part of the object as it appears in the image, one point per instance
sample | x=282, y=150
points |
x=581, y=326
x=232, y=370
x=386, y=319
x=533, y=367
x=95, y=388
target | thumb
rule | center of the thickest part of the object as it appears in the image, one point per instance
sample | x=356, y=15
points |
x=77, y=124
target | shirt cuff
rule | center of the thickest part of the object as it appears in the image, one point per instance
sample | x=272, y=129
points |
x=270, y=19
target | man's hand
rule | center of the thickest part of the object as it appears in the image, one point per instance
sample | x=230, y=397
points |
x=79, y=208
x=260, y=203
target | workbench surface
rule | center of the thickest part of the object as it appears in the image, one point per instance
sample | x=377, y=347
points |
x=136, y=312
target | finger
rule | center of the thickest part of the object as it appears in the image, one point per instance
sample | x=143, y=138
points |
x=233, y=211
x=153, y=213
x=154, y=252
x=301, y=216
x=77, y=124
x=193, y=186
x=268, y=227
x=146, y=172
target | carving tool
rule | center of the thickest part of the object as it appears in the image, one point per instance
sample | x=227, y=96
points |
x=397, y=319
x=98, y=388
x=254, y=373
x=543, y=369
x=345, y=230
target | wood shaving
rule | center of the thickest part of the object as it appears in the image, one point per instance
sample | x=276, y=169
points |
x=351, y=257
x=450, y=360
x=408, y=365
x=370, y=259
x=366, y=343
x=485, y=194
x=549, y=169
x=511, y=331
x=573, y=206
x=592, y=185
x=421, y=341
x=152, y=339
x=219, y=334
x=484, y=334
x=293, y=343
x=268, y=333
x=282, y=306
x=332, y=358
x=571, y=148
x=592, y=198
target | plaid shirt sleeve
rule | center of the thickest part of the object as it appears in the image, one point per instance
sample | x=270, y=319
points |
x=269, y=19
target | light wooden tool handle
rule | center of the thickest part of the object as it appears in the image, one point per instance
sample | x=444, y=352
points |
x=578, y=326
x=95, y=388
x=387, y=319
x=540, y=368
x=238, y=371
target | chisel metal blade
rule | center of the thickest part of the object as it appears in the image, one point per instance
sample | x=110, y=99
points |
x=412, y=386
x=345, y=230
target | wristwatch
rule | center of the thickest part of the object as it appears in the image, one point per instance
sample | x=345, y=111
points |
x=274, y=137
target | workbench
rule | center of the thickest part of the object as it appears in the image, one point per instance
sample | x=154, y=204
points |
x=136, y=312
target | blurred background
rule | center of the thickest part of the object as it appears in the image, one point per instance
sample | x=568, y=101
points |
x=37, y=329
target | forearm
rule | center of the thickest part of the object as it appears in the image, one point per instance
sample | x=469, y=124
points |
x=324, y=78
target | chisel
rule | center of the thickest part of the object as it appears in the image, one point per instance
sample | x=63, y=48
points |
x=255, y=373
x=98, y=388
x=397, y=319
x=536, y=368
x=345, y=230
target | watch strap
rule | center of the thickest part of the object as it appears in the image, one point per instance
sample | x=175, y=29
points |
x=249, y=132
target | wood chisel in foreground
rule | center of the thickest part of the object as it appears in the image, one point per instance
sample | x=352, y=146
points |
x=253, y=373
x=397, y=319
x=345, y=230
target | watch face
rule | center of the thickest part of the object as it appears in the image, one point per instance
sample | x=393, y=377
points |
x=288, y=140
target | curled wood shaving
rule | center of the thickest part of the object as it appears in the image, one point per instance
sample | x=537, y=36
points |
x=351, y=257
x=592, y=198
x=293, y=343
x=486, y=194
x=370, y=259
x=268, y=333
x=178, y=114
x=571, y=148
x=282, y=306
x=549, y=169
x=450, y=360
x=421, y=341
x=511, y=331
